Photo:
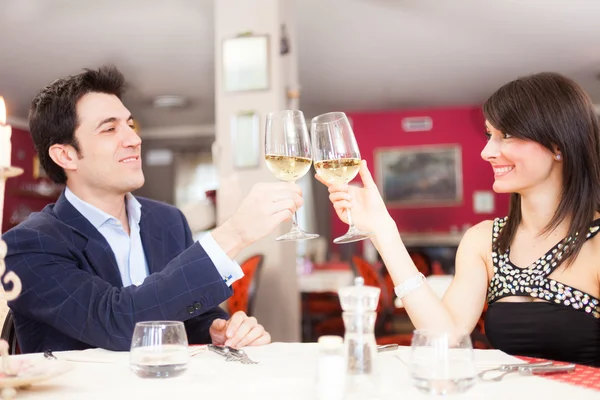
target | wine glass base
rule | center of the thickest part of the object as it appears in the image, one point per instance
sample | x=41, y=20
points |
x=350, y=237
x=297, y=235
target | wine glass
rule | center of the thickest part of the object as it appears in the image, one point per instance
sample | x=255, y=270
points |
x=159, y=349
x=442, y=362
x=337, y=159
x=287, y=153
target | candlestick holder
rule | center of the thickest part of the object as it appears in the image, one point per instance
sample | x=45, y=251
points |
x=10, y=277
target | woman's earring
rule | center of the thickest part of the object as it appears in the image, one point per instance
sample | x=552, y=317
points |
x=558, y=157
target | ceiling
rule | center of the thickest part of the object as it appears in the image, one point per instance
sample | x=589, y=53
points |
x=353, y=54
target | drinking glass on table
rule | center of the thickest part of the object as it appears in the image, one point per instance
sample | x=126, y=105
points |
x=159, y=349
x=288, y=155
x=337, y=158
x=442, y=362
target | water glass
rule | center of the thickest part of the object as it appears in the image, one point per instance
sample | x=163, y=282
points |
x=159, y=349
x=442, y=362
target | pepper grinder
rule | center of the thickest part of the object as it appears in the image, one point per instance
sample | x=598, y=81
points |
x=359, y=305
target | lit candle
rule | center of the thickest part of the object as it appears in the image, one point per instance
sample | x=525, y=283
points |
x=5, y=132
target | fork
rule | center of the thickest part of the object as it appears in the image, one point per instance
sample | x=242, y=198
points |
x=526, y=369
x=508, y=368
x=243, y=357
x=232, y=354
x=222, y=351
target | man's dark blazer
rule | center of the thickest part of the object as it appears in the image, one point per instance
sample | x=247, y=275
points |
x=73, y=297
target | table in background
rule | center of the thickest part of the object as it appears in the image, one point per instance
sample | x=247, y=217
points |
x=320, y=281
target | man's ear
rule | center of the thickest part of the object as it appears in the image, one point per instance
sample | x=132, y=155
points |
x=64, y=156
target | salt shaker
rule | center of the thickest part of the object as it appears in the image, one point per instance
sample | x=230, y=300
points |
x=331, y=368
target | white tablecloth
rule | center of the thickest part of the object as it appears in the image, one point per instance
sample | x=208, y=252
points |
x=285, y=371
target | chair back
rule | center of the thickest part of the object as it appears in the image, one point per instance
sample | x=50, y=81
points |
x=244, y=289
x=372, y=278
x=421, y=262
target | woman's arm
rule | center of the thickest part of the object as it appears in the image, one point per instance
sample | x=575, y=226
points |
x=463, y=302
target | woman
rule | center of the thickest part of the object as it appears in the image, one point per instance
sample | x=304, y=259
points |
x=539, y=268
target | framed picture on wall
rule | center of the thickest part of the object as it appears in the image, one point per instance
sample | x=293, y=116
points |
x=245, y=139
x=421, y=176
x=246, y=63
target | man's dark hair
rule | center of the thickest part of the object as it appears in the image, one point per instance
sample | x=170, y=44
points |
x=53, y=115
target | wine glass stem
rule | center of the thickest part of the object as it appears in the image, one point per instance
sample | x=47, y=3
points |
x=350, y=222
x=294, y=219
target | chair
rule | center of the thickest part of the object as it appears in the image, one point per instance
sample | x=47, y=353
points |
x=244, y=289
x=321, y=315
x=389, y=315
x=9, y=334
x=372, y=278
x=385, y=309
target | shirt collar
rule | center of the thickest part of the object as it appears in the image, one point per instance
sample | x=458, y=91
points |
x=97, y=217
x=134, y=209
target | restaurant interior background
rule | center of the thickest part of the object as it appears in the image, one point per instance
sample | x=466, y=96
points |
x=410, y=74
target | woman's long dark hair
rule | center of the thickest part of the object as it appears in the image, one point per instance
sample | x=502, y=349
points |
x=554, y=111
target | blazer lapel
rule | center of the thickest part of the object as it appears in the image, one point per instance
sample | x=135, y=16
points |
x=96, y=250
x=152, y=241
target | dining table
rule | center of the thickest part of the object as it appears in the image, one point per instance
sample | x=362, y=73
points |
x=325, y=281
x=284, y=371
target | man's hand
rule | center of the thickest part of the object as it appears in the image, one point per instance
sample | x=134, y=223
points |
x=240, y=331
x=266, y=206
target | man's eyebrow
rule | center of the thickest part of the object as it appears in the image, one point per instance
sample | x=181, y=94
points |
x=112, y=119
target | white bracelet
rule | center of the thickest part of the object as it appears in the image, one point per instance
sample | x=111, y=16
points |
x=409, y=285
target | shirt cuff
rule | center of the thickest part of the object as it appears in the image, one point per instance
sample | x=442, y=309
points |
x=229, y=269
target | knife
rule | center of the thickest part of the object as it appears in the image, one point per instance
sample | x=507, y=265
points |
x=553, y=369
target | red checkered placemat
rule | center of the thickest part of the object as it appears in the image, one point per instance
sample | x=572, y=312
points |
x=584, y=376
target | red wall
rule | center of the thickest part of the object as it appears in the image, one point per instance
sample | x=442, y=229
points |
x=463, y=126
x=20, y=196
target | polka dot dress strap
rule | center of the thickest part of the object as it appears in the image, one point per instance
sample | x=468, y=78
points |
x=594, y=228
x=496, y=229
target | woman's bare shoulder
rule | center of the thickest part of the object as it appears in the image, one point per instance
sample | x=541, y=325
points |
x=478, y=239
x=480, y=232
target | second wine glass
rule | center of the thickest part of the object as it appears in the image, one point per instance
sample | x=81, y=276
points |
x=337, y=159
x=288, y=155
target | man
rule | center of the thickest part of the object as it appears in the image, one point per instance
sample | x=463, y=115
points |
x=100, y=260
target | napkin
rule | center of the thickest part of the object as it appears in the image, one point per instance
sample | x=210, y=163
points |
x=103, y=356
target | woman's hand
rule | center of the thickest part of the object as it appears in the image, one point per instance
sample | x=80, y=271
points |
x=368, y=211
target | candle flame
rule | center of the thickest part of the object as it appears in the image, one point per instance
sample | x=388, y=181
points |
x=2, y=111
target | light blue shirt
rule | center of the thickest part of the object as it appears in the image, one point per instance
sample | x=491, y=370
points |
x=128, y=249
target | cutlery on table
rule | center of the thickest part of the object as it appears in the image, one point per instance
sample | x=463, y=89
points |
x=552, y=369
x=232, y=354
x=387, y=347
x=539, y=368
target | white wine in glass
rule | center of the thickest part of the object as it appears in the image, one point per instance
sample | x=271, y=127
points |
x=288, y=168
x=337, y=159
x=338, y=171
x=288, y=155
